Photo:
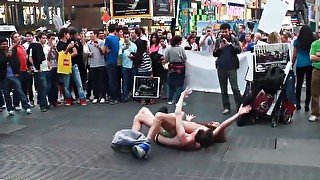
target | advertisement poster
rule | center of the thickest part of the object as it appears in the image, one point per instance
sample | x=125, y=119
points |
x=146, y=87
x=163, y=8
x=271, y=55
x=130, y=8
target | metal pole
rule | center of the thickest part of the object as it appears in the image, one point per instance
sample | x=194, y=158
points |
x=317, y=17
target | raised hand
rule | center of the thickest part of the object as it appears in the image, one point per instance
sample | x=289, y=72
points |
x=187, y=92
x=244, y=109
x=190, y=117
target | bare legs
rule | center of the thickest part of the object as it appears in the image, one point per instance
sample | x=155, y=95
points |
x=145, y=117
x=166, y=121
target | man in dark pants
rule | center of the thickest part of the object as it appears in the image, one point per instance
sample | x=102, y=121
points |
x=111, y=57
x=9, y=72
x=226, y=49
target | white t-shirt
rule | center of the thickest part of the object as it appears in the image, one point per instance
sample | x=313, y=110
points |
x=209, y=43
x=194, y=46
x=44, y=66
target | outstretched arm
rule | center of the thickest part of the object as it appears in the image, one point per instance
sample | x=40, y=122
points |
x=228, y=122
x=181, y=133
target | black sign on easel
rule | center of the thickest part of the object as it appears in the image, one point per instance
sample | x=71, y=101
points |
x=146, y=87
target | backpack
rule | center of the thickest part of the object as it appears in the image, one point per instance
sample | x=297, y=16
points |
x=128, y=140
x=272, y=81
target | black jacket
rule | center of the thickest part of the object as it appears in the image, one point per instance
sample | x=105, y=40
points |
x=228, y=56
x=37, y=54
x=13, y=63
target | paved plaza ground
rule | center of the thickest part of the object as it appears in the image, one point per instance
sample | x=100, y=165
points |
x=74, y=143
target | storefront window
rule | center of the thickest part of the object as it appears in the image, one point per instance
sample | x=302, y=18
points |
x=2, y=14
x=28, y=15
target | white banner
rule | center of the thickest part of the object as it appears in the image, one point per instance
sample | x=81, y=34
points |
x=202, y=74
x=273, y=16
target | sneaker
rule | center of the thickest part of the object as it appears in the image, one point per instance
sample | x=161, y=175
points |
x=306, y=108
x=226, y=111
x=32, y=104
x=95, y=101
x=83, y=102
x=113, y=102
x=69, y=102
x=313, y=118
x=3, y=107
x=43, y=109
x=141, y=150
x=298, y=107
x=170, y=102
x=11, y=113
x=17, y=108
x=102, y=101
x=28, y=111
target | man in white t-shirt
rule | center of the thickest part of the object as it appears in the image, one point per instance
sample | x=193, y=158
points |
x=38, y=54
x=207, y=41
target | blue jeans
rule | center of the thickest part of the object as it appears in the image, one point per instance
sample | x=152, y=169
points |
x=6, y=85
x=43, y=80
x=113, y=81
x=53, y=94
x=24, y=78
x=77, y=79
x=127, y=82
x=174, y=90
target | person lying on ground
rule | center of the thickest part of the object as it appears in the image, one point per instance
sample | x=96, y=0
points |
x=171, y=131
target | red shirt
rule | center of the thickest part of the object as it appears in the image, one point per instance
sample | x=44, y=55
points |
x=22, y=56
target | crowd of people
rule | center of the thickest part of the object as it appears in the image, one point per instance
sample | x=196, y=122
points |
x=104, y=65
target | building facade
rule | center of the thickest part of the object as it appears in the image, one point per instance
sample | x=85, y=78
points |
x=29, y=14
x=85, y=13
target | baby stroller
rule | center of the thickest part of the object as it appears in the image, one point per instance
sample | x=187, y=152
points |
x=272, y=96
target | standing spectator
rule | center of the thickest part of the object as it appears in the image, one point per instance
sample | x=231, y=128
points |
x=285, y=37
x=176, y=56
x=304, y=68
x=111, y=57
x=190, y=44
x=133, y=35
x=169, y=38
x=9, y=72
x=226, y=49
x=247, y=43
x=98, y=68
x=38, y=52
x=315, y=82
x=273, y=38
x=154, y=43
x=128, y=49
x=102, y=35
x=69, y=47
x=206, y=42
x=145, y=68
x=24, y=75
x=30, y=39
x=53, y=63
x=242, y=33
x=78, y=60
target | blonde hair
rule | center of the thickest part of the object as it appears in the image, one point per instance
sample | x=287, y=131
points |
x=273, y=38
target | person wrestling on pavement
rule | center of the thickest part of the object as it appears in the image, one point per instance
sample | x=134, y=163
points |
x=171, y=131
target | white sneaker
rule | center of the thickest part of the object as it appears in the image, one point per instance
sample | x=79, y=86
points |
x=102, y=101
x=17, y=108
x=226, y=111
x=95, y=101
x=170, y=102
x=313, y=118
x=28, y=111
x=11, y=113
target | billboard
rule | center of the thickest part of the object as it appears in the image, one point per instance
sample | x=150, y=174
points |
x=163, y=8
x=130, y=8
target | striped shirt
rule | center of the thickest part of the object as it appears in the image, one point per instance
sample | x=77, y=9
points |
x=146, y=64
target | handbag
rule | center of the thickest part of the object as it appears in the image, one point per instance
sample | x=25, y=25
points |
x=262, y=102
x=64, y=63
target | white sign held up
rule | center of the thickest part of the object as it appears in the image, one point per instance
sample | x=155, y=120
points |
x=273, y=16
